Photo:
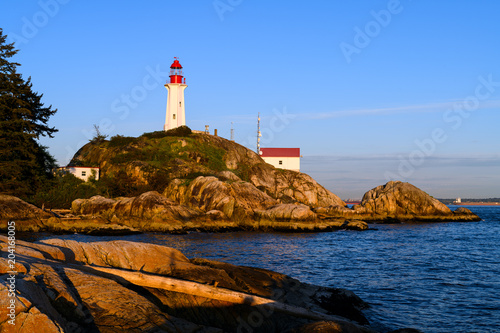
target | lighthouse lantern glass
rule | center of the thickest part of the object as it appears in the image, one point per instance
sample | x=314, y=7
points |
x=175, y=71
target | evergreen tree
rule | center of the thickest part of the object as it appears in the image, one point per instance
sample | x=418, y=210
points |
x=24, y=163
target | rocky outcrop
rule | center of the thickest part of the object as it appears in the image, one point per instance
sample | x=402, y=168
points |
x=397, y=202
x=26, y=217
x=152, y=205
x=149, y=205
x=209, y=193
x=287, y=185
x=94, y=205
x=462, y=211
x=228, y=175
x=14, y=208
x=398, y=199
x=149, y=211
x=119, y=286
x=288, y=212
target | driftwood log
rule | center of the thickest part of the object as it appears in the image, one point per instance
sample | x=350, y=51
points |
x=207, y=291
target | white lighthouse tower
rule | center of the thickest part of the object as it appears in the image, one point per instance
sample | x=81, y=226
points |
x=176, y=114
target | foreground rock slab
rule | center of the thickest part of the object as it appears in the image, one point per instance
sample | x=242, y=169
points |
x=120, y=286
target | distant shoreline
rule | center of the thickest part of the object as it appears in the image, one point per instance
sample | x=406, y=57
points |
x=477, y=203
x=446, y=202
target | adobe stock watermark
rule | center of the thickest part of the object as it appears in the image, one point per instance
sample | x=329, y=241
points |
x=11, y=279
x=40, y=19
x=223, y=6
x=122, y=106
x=364, y=36
x=453, y=118
x=278, y=122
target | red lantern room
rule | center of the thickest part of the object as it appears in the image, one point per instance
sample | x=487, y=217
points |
x=176, y=72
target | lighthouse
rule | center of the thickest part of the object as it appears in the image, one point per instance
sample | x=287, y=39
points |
x=176, y=115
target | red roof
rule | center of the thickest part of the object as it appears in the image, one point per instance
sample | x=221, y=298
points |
x=81, y=167
x=176, y=64
x=280, y=152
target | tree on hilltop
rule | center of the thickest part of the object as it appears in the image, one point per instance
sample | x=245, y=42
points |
x=24, y=163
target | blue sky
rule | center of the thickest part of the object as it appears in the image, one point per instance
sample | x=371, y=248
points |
x=369, y=90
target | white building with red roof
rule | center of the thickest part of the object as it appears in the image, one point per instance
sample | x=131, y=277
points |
x=282, y=158
x=82, y=172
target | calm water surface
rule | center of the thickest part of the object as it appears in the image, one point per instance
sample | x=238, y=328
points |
x=437, y=277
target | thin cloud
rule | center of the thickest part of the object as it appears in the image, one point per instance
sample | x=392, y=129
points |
x=420, y=108
x=479, y=158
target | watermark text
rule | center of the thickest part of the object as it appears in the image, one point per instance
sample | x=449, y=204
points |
x=223, y=6
x=364, y=36
x=453, y=118
x=11, y=279
x=40, y=19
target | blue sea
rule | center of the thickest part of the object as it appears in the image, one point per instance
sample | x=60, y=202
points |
x=436, y=277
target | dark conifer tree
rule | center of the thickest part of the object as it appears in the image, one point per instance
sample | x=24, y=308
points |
x=24, y=163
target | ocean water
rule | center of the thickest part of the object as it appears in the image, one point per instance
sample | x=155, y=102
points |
x=436, y=277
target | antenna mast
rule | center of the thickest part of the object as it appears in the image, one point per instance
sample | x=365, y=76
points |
x=258, y=134
x=232, y=132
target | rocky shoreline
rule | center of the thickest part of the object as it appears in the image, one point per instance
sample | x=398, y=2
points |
x=201, y=207
x=117, y=286
x=207, y=183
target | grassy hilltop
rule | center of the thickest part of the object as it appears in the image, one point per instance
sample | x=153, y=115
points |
x=133, y=165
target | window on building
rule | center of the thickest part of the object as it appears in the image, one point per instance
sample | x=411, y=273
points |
x=280, y=162
x=180, y=103
x=173, y=116
x=84, y=173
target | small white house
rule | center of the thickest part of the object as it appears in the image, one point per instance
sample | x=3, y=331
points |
x=84, y=173
x=282, y=158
